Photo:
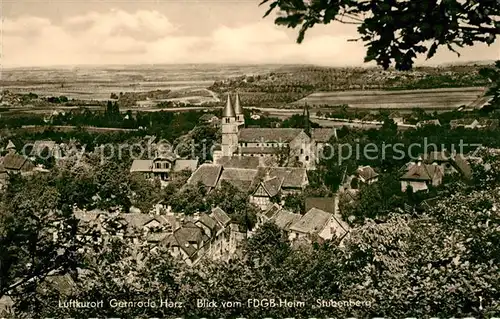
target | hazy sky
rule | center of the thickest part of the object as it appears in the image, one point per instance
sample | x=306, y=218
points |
x=68, y=32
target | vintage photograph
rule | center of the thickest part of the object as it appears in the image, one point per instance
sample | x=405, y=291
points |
x=249, y=159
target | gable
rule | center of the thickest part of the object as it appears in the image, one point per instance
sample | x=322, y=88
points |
x=261, y=192
x=152, y=224
x=302, y=137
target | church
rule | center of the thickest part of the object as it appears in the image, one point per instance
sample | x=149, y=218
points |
x=292, y=147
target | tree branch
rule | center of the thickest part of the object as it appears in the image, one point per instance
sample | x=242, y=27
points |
x=481, y=29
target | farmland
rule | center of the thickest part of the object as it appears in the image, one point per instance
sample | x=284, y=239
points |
x=97, y=83
x=265, y=86
x=435, y=99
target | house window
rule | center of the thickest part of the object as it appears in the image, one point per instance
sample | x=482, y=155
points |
x=158, y=165
x=227, y=120
x=301, y=151
x=246, y=144
x=257, y=144
x=307, y=158
x=296, y=158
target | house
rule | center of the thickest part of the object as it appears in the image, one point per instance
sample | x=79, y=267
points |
x=243, y=179
x=274, y=181
x=263, y=183
x=449, y=163
x=397, y=118
x=420, y=176
x=206, y=235
x=266, y=191
x=207, y=174
x=268, y=214
x=284, y=219
x=15, y=163
x=162, y=166
x=189, y=238
x=318, y=226
x=220, y=216
x=322, y=136
x=209, y=119
x=187, y=243
x=428, y=123
x=279, y=216
x=366, y=175
x=299, y=145
x=471, y=123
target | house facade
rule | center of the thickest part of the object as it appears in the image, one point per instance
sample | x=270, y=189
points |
x=421, y=176
x=366, y=175
x=317, y=226
x=162, y=166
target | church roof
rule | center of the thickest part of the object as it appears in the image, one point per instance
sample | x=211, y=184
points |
x=267, y=135
x=228, y=109
x=237, y=105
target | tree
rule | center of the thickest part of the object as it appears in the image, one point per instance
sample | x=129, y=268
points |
x=442, y=264
x=37, y=237
x=396, y=31
x=234, y=202
x=45, y=158
x=389, y=126
x=493, y=75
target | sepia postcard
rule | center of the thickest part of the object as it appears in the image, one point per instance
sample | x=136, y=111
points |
x=249, y=159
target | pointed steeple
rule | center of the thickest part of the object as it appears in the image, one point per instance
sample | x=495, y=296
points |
x=228, y=109
x=307, y=126
x=237, y=105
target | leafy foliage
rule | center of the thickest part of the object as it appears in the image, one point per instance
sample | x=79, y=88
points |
x=441, y=264
x=397, y=31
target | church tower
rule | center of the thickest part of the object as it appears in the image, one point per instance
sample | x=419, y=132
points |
x=229, y=129
x=238, y=110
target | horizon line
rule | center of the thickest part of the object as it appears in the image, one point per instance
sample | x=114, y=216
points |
x=363, y=65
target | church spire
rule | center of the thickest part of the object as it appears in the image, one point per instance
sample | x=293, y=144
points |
x=228, y=109
x=237, y=105
x=307, y=123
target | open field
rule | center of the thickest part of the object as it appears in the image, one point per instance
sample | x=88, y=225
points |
x=97, y=83
x=447, y=98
